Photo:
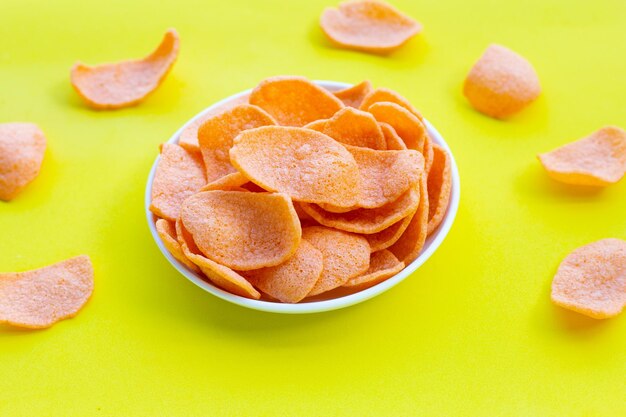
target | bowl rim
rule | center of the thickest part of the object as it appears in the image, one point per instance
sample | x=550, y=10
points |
x=432, y=242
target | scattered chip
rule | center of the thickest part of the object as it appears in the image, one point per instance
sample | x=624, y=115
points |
x=22, y=146
x=501, y=83
x=392, y=140
x=368, y=25
x=188, y=138
x=216, y=135
x=234, y=179
x=439, y=187
x=243, y=230
x=302, y=163
x=123, y=84
x=389, y=236
x=346, y=256
x=597, y=160
x=40, y=298
x=178, y=175
x=592, y=279
x=292, y=280
x=383, y=265
x=405, y=123
x=353, y=96
x=381, y=95
x=294, y=101
x=355, y=127
x=167, y=233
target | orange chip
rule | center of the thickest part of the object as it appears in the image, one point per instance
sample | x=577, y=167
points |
x=294, y=101
x=501, y=83
x=597, y=160
x=383, y=265
x=22, y=146
x=318, y=125
x=439, y=187
x=219, y=275
x=367, y=25
x=393, y=141
x=178, y=175
x=429, y=153
x=406, y=125
x=123, y=84
x=355, y=127
x=188, y=138
x=353, y=96
x=389, y=236
x=292, y=280
x=367, y=221
x=167, y=233
x=234, y=179
x=302, y=163
x=40, y=298
x=410, y=244
x=592, y=279
x=381, y=95
x=225, y=226
x=346, y=255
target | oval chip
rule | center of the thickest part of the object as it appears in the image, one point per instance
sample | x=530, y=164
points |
x=353, y=96
x=405, y=123
x=355, y=127
x=439, y=187
x=383, y=265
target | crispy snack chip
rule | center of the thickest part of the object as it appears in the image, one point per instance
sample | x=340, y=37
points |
x=243, y=230
x=294, y=101
x=597, y=160
x=382, y=95
x=123, y=84
x=167, y=233
x=389, y=236
x=368, y=25
x=178, y=175
x=216, y=135
x=392, y=140
x=592, y=279
x=355, y=127
x=501, y=83
x=439, y=187
x=405, y=123
x=292, y=280
x=22, y=146
x=219, y=275
x=40, y=298
x=188, y=138
x=346, y=255
x=353, y=96
x=302, y=163
x=429, y=153
x=318, y=125
x=383, y=265
x=234, y=179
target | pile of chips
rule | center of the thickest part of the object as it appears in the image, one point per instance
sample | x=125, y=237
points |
x=294, y=191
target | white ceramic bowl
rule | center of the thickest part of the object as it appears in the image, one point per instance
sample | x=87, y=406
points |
x=432, y=243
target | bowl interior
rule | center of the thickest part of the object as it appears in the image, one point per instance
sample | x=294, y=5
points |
x=314, y=305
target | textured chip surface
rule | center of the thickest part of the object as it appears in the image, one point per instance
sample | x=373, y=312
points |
x=389, y=236
x=392, y=140
x=234, y=179
x=353, y=96
x=380, y=95
x=439, y=187
x=354, y=127
x=405, y=123
x=167, y=232
x=42, y=297
x=383, y=265
x=592, y=279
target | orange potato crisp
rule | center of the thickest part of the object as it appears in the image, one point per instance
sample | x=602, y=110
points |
x=167, y=233
x=405, y=123
x=353, y=96
x=439, y=187
x=383, y=265
x=386, y=95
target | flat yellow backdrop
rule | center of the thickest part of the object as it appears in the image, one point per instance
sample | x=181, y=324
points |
x=471, y=333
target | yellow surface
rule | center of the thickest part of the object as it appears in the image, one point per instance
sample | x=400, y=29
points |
x=472, y=332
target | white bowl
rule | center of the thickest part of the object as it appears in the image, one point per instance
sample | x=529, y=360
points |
x=431, y=245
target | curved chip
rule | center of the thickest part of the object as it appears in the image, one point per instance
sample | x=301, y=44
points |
x=439, y=187
x=22, y=147
x=386, y=95
x=346, y=255
x=178, y=175
x=597, y=160
x=392, y=140
x=592, y=279
x=367, y=221
x=405, y=123
x=188, y=138
x=389, y=236
x=501, y=83
x=216, y=135
x=219, y=275
x=410, y=244
x=383, y=265
x=355, y=127
x=40, y=298
x=318, y=125
x=353, y=96
x=123, y=84
x=167, y=233
x=367, y=25
x=242, y=230
x=302, y=163
x=234, y=179
x=294, y=101
x=292, y=280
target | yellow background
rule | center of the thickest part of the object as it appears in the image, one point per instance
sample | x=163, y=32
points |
x=472, y=332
